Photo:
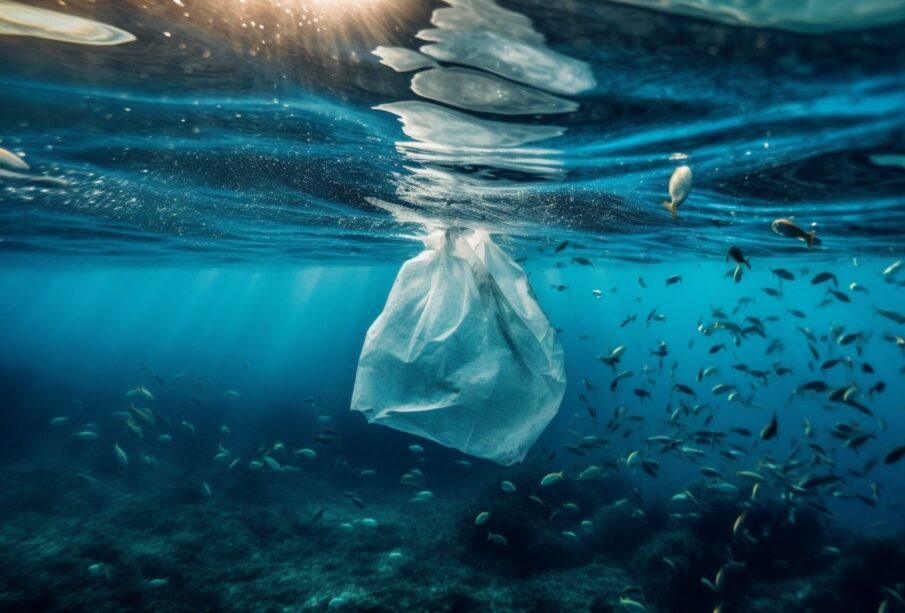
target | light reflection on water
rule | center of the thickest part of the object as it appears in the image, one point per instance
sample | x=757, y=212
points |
x=251, y=132
x=459, y=154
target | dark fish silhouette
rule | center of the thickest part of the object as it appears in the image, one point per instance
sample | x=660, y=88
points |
x=789, y=229
x=823, y=277
x=736, y=254
x=783, y=274
x=770, y=430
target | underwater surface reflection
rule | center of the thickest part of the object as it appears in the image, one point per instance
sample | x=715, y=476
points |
x=621, y=281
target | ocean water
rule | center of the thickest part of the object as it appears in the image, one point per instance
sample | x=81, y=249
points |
x=206, y=205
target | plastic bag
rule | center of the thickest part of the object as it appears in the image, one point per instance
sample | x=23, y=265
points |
x=462, y=353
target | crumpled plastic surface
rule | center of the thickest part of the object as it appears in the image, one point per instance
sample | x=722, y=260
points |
x=462, y=353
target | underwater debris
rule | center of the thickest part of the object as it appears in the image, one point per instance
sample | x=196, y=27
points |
x=525, y=394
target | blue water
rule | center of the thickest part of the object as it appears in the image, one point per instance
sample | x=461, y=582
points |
x=217, y=212
x=216, y=144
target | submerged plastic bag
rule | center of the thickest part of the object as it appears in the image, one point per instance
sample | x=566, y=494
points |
x=462, y=354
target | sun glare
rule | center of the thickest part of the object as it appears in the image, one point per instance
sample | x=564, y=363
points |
x=342, y=4
x=327, y=28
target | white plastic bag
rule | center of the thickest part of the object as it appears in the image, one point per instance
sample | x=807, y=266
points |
x=462, y=354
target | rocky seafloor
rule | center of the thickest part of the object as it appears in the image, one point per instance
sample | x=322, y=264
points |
x=112, y=540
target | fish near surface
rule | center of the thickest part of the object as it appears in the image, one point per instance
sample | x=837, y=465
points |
x=679, y=187
x=789, y=229
x=737, y=256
